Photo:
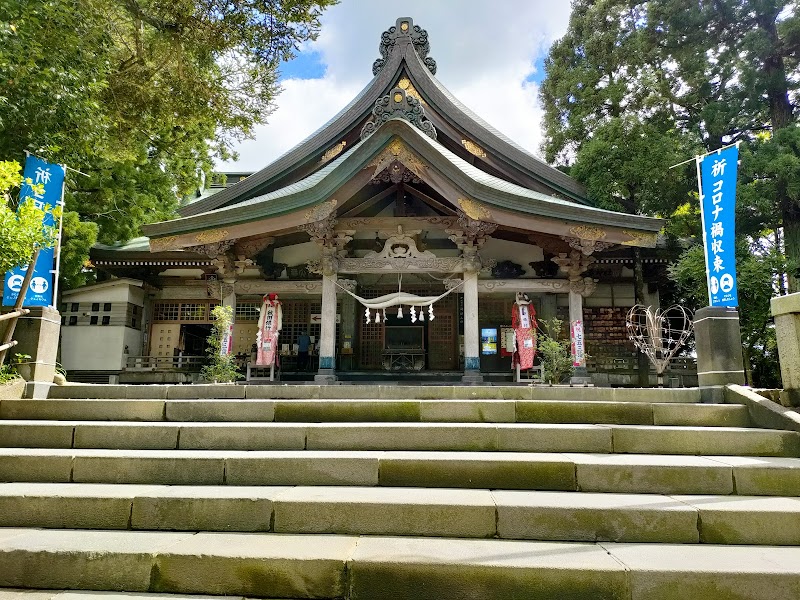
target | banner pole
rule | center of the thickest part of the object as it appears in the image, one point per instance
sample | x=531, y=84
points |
x=698, y=160
x=58, y=241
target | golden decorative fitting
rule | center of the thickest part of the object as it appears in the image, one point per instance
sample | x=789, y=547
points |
x=404, y=26
x=396, y=147
x=640, y=238
x=474, y=210
x=333, y=152
x=397, y=151
x=398, y=97
x=211, y=237
x=586, y=232
x=164, y=243
x=406, y=85
x=320, y=211
x=473, y=148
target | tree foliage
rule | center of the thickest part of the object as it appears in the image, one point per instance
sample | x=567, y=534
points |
x=635, y=87
x=142, y=95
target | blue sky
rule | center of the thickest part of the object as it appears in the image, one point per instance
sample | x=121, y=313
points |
x=306, y=65
x=489, y=54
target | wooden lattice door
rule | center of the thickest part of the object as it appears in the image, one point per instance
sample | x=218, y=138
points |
x=371, y=347
x=442, y=337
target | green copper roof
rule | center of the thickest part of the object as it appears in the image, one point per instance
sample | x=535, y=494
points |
x=475, y=183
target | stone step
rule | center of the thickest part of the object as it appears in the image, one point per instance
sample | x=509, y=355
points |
x=621, y=473
x=28, y=594
x=376, y=392
x=303, y=411
x=400, y=568
x=529, y=437
x=536, y=515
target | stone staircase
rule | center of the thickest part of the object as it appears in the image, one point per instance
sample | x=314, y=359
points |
x=394, y=492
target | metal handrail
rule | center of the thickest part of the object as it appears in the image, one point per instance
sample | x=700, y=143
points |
x=166, y=362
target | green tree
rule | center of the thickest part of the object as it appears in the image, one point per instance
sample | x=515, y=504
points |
x=684, y=77
x=22, y=229
x=141, y=95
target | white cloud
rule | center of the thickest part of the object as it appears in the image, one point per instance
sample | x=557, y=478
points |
x=484, y=53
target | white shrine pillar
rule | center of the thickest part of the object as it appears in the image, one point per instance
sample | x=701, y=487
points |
x=229, y=295
x=472, y=346
x=575, y=265
x=327, y=336
x=469, y=234
x=577, y=338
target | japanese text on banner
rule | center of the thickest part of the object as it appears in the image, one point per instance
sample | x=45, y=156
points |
x=718, y=207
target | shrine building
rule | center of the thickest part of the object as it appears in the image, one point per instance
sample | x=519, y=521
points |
x=405, y=189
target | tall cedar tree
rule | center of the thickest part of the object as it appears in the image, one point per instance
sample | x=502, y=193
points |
x=636, y=86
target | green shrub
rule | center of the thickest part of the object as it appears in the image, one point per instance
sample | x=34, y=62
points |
x=221, y=367
x=554, y=353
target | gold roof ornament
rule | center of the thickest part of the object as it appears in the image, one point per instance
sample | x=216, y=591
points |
x=585, y=232
x=161, y=244
x=475, y=210
x=473, y=148
x=333, y=152
x=646, y=239
x=211, y=237
x=397, y=152
x=405, y=84
x=320, y=211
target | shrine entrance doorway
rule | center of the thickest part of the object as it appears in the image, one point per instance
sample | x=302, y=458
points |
x=401, y=345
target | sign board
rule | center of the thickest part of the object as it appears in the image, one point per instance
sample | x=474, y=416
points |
x=316, y=319
x=576, y=331
x=717, y=174
x=40, y=290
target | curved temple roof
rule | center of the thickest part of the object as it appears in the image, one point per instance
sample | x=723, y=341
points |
x=407, y=113
x=398, y=140
x=400, y=47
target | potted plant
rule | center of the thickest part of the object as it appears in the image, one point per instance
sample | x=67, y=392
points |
x=23, y=366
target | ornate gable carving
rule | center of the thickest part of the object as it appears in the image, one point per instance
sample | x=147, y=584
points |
x=404, y=28
x=398, y=103
x=396, y=158
x=401, y=245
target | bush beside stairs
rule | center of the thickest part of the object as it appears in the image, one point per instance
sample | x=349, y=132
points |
x=394, y=492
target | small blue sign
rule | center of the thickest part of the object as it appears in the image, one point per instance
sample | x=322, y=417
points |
x=40, y=291
x=718, y=210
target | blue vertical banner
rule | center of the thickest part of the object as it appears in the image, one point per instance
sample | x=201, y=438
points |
x=717, y=172
x=40, y=291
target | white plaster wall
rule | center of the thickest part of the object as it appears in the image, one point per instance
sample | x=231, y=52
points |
x=521, y=254
x=96, y=348
x=619, y=294
x=183, y=291
x=298, y=254
x=132, y=338
x=117, y=293
x=190, y=273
